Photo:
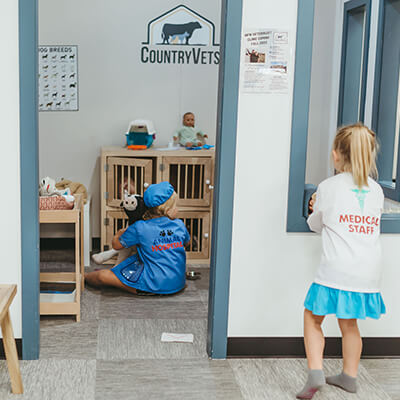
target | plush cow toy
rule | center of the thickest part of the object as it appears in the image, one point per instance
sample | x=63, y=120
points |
x=134, y=208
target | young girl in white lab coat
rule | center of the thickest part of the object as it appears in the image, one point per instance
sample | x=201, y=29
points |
x=346, y=211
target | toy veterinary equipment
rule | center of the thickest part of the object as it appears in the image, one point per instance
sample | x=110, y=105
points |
x=140, y=135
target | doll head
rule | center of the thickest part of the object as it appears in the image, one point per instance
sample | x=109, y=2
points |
x=188, y=119
x=127, y=186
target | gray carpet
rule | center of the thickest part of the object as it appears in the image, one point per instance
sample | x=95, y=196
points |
x=115, y=352
x=281, y=379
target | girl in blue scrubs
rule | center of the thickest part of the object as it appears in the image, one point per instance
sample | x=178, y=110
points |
x=159, y=266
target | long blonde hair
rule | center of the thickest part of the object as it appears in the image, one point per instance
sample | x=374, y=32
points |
x=357, y=148
x=163, y=209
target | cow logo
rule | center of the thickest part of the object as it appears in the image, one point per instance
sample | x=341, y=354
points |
x=178, y=33
x=180, y=36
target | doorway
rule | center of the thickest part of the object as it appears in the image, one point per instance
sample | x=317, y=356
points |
x=224, y=173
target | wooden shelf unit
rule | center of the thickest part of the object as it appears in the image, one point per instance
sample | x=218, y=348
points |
x=190, y=172
x=74, y=216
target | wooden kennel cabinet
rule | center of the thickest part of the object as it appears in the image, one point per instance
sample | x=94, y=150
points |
x=190, y=172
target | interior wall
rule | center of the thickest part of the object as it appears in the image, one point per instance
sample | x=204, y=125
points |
x=271, y=269
x=115, y=87
x=10, y=235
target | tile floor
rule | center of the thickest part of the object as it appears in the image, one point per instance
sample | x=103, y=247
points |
x=115, y=352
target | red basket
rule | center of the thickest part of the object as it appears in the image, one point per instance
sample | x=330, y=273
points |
x=54, y=203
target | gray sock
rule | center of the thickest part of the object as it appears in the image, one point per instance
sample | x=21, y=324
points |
x=316, y=379
x=344, y=381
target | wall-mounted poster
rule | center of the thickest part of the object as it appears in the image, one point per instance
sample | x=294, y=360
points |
x=266, y=56
x=58, y=78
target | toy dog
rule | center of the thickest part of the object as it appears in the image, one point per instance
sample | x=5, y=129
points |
x=134, y=208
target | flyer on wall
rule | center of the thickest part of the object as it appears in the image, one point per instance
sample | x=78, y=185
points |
x=265, y=61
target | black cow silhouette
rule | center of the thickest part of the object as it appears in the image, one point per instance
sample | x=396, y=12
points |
x=174, y=30
x=72, y=85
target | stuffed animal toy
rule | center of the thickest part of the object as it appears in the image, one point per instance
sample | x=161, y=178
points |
x=134, y=208
x=47, y=187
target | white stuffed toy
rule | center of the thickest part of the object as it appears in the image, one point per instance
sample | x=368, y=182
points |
x=47, y=187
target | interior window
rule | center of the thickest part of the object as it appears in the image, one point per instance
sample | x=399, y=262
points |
x=387, y=97
x=355, y=43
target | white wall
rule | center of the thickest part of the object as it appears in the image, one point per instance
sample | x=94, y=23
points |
x=10, y=234
x=271, y=270
x=115, y=87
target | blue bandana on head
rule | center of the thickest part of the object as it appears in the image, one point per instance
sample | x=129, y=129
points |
x=157, y=194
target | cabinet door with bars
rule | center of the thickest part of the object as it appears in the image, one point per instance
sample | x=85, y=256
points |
x=198, y=225
x=114, y=221
x=131, y=174
x=191, y=178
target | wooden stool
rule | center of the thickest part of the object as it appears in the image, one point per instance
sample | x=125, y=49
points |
x=7, y=293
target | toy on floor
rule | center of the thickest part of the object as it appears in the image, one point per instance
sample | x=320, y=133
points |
x=188, y=135
x=134, y=208
x=140, y=135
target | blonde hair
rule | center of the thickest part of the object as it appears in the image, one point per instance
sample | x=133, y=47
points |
x=163, y=209
x=357, y=147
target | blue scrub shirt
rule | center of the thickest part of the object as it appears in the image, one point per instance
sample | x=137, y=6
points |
x=160, y=265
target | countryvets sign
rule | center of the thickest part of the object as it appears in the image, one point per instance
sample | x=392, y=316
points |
x=180, y=36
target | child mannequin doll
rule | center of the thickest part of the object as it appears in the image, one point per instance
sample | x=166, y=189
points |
x=188, y=135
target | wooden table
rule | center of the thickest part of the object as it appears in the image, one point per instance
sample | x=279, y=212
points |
x=7, y=293
x=74, y=216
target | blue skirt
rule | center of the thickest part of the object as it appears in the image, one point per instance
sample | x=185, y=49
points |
x=323, y=300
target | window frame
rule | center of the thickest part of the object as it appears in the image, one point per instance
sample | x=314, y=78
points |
x=299, y=192
x=349, y=7
x=391, y=191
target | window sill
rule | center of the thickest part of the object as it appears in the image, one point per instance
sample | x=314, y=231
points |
x=390, y=222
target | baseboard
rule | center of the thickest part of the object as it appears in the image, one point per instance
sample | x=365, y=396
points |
x=18, y=342
x=373, y=347
x=65, y=243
